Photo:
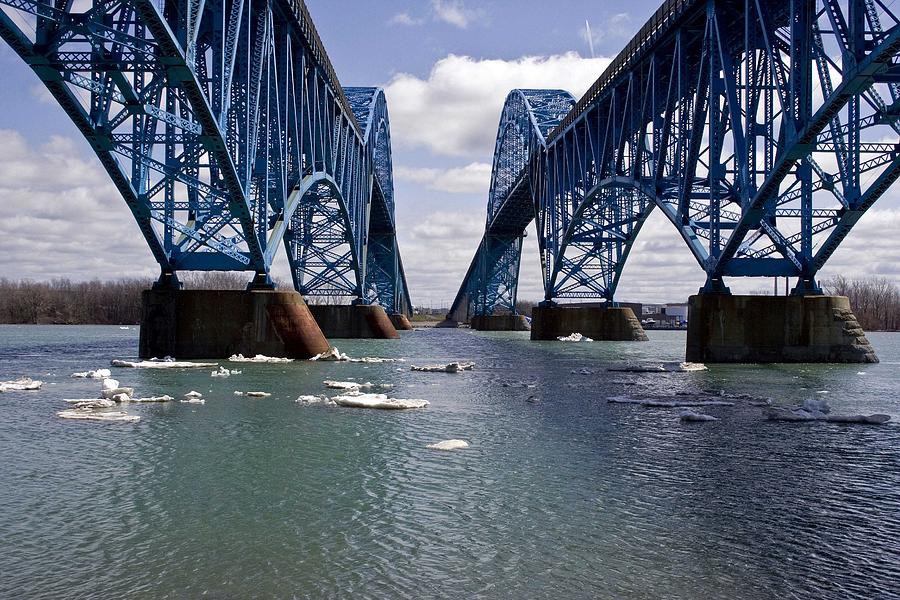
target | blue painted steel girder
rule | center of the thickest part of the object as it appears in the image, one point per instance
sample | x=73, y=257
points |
x=762, y=129
x=214, y=118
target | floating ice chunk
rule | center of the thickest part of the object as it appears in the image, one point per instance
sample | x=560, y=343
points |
x=259, y=358
x=92, y=403
x=670, y=367
x=223, y=372
x=119, y=391
x=163, y=398
x=314, y=400
x=454, y=367
x=657, y=403
x=379, y=401
x=690, y=415
x=449, y=445
x=376, y=360
x=87, y=414
x=121, y=398
x=333, y=354
x=162, y=364
x=98, y=374
x=575, y=337
x=125, y=328
x=346, y=385
x=110, y=384
x=253, y=394
x=23, y=384
x=193, y=397
x=818, y=410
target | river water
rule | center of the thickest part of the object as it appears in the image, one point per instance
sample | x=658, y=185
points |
x=561, y=494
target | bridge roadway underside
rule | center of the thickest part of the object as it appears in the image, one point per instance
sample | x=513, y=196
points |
x=220, y=323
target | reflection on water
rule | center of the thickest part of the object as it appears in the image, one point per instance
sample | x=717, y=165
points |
x=560, y=493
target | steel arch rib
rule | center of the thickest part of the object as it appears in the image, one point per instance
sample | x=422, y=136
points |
x=491, y=281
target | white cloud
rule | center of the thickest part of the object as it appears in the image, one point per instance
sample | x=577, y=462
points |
x=455, y=111
x=60, y=216
x=454, y=12
x=474, y=178
x=404, y=18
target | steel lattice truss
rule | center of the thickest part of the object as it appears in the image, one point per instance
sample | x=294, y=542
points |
x=491, y=283
x=223, y=126
x=762, y=129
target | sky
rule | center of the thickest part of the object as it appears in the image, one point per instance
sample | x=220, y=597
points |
x=446, y=66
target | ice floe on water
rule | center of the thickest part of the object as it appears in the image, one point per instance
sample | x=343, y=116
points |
x=575, y=337
x=668, y=367
x=97, y=374
x=91, y=403
x=23, y=384
x=88, y=414
x=454, y=367
x=314, y=400
x=449, y=445
x=223, y=372
x=668, y=402
x=354, y=385
x=379, y=401
x=818, y=410
x=150, y=399
x=252, y=394
x=332, y=354
x=193, y=397
x=335, y=355
x=259, y=358
x=691, y=415
x=161, y=364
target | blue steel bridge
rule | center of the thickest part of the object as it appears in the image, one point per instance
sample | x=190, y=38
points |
x=224, y=128
x=762, y=129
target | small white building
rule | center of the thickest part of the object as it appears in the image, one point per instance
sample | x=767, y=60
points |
x=679, y=311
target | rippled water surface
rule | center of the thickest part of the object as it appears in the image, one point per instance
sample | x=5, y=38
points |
x=561, y=495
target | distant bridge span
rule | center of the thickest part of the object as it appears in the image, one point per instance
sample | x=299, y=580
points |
x=224, y=128
x=762, y=129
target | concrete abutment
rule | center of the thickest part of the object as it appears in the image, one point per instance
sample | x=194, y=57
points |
x=357, y=321
x=771, y=329
x=219, y=323
x=597, y=323
x=500, y=323
x=400, y=322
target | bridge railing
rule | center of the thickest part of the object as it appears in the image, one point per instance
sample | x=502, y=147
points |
x=642, y=42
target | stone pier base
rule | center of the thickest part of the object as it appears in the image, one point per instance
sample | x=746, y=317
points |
x=500, y=323
x=219, y=323
x=356, y=321
x=447, y=324
x=773, y=329
x=597, y=323
x=400, y=322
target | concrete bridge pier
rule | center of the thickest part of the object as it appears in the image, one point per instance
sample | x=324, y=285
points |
x=358, y=321
x=219, y=323
x=770, y=329
x=400, y=322
x=595, y=322
x=499, y=323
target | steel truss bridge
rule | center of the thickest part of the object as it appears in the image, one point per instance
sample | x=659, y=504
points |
x=762, y=129
x=224, y=128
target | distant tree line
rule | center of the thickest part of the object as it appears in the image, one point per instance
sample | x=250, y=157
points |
x=117, y=302
x=875, y=300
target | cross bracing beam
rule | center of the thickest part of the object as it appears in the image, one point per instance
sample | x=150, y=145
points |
x=215, y=119
x=762, y=129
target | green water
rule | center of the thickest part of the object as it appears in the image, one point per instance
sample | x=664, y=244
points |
x=560, y=494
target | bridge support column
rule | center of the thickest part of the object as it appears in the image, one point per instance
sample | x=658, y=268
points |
x=500, y=323
x=770, y=329
x=354, y=321
x=219, y=323
x=400, y=322
x=597, y=323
